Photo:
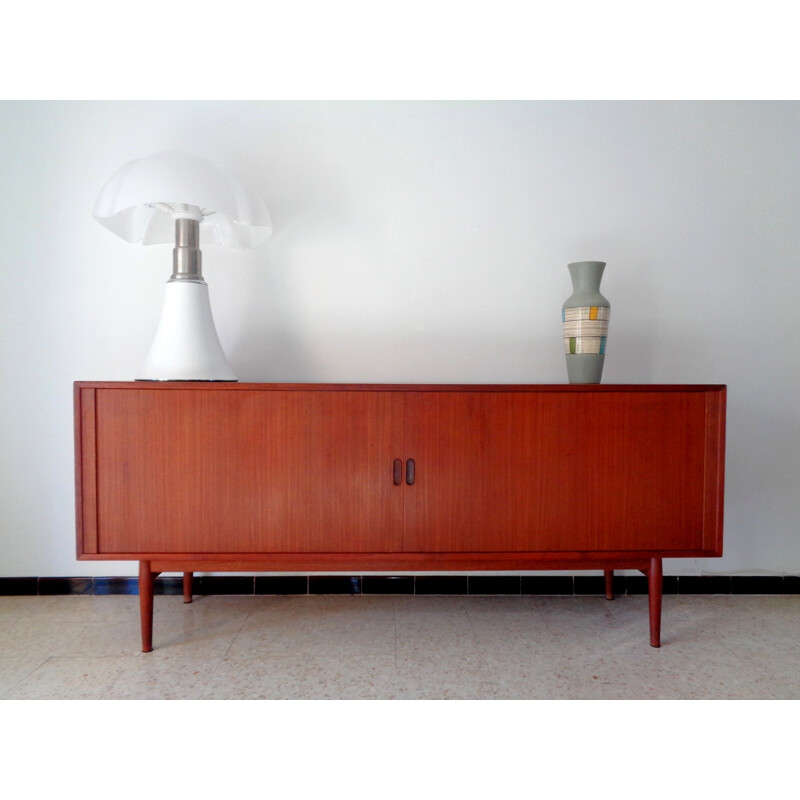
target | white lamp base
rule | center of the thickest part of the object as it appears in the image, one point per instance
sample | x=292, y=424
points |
x=186, y=346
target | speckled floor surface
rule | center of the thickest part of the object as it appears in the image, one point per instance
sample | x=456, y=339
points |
x=401, y=647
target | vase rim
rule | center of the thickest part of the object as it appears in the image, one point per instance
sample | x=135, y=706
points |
x=576, y=263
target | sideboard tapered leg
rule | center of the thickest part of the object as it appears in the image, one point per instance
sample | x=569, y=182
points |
x=655, y=583
x=609, y=575
x=146, y=586
x=187, y=587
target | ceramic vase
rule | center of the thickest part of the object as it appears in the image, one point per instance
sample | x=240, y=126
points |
x=584, y=319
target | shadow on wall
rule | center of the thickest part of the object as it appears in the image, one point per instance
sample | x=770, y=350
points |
x=630, y=358
x=759, y=439
x=274, y=345
x=276, y=352
x=274, y=355
x=267, y=347
x=655, y=358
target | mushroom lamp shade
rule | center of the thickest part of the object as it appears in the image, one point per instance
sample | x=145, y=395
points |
x=178, y=197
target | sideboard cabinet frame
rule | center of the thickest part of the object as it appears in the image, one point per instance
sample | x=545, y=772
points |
x=235, y=477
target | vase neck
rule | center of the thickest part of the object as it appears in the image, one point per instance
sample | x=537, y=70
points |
x=586, y=275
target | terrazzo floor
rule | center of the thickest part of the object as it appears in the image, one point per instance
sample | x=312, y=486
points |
x=401, y=647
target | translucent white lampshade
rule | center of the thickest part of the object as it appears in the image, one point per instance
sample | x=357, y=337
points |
x=177, y=197
x=131, y=202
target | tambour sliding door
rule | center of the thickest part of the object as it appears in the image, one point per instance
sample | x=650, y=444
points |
x=555, y=471
x=195, y=471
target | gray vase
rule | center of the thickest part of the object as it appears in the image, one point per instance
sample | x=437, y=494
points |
x=584, y=320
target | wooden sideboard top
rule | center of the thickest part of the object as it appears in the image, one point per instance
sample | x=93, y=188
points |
x=401, y=387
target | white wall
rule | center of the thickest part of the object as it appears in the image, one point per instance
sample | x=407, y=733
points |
x=417, y=242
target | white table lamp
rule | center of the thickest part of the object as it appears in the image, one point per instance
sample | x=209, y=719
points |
x=176, y=197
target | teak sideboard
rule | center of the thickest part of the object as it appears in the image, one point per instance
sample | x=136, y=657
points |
x=216, y=477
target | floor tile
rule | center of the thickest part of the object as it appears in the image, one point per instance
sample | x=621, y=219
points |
x=401, y=647
x=355, y=638
x=361, y=677
x=255, y=677
x=120, y=678
x=449, y=676
x=69, y=679
x=16, y=669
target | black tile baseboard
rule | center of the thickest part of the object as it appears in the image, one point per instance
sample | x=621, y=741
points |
x=334, y=584
x=589, y=584
x=791, y=584
x=637, y=584
x=491, y=584
x=548, y=584
x=281, y=584
x=65, y=586
x=759, y=584
x=441, y=584
x=553, y=585
x=21, y=587
x=705, y=584
x=389, y=584
x=220, y=584
x=115, y=586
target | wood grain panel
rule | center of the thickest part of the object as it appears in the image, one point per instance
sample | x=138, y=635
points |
x=215, y=471
x=533, y=471
x=256, y=469
x=85, y=471
x=715, y=470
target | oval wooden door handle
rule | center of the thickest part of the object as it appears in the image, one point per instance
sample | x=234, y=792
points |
x=397, y=472
x=410, y=471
